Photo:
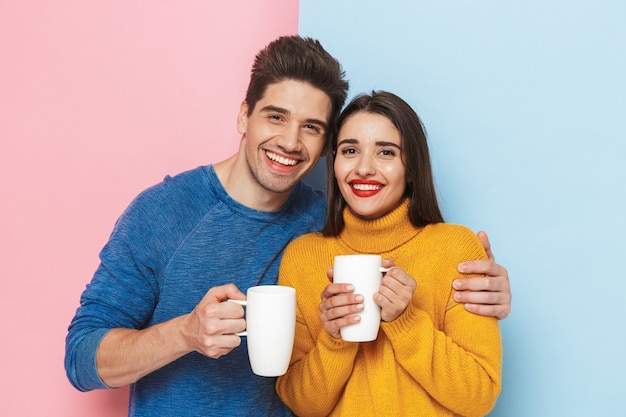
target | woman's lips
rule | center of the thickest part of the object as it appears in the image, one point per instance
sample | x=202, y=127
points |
x=365, y=188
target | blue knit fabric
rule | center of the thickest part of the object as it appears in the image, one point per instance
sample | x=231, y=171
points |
x=174, y=242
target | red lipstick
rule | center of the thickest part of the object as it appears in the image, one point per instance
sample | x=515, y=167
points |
x=365, y=188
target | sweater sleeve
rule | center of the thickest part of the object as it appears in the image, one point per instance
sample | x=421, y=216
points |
x=121, y=294
x=457, y=359
x=320, y=364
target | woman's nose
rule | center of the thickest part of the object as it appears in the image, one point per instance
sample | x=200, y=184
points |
x=365, y=166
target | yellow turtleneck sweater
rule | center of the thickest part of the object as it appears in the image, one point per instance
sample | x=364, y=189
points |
x=435, y=359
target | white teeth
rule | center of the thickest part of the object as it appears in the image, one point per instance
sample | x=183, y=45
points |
x=366, y=187
x=280, y=159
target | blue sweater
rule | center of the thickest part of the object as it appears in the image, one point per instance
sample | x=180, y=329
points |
x=174, y=242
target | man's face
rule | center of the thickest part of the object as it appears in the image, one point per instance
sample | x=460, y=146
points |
x=285, y=134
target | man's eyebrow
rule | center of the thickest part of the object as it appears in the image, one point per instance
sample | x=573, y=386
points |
x=321, y=123
x=276, y=109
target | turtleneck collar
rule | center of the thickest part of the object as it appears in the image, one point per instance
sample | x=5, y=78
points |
x=380, y=235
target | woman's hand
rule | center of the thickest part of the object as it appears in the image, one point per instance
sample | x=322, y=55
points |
x=338, y=303
x=395, y=293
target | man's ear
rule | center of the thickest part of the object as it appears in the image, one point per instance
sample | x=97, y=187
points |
x=242, y=118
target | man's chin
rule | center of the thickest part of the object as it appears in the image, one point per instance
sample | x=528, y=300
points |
x=279, y=187
x=281, y=183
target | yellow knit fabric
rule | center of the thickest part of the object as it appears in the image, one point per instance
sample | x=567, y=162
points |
x=436, y=359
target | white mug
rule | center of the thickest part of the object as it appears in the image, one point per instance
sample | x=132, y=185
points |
x=270, y=327
x=364, y=272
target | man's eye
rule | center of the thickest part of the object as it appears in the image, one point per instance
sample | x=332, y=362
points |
x=314, y=128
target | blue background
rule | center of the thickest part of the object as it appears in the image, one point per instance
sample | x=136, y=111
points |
x=524, y=105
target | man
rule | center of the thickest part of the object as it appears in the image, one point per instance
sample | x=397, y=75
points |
x=153, y=315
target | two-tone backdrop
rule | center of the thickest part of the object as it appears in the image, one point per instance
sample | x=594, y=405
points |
x=523, y=102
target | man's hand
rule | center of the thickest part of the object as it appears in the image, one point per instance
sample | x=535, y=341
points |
x=488, y=296
x=211, y=326
x=126, y=355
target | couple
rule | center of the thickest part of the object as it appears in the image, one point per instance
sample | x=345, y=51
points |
x=153, y=315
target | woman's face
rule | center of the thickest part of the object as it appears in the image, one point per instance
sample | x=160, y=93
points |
x=369, y=168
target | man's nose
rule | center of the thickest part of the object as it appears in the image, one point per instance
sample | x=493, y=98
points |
x=289, y=139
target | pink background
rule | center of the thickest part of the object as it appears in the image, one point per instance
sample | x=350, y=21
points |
x=99, y=100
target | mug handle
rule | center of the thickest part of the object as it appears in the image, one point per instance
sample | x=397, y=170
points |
x=243, y=303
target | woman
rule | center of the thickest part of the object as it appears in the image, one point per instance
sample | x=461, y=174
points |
x=431, y=356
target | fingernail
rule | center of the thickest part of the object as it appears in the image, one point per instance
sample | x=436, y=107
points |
x=456, y=284
x=350, y=287
x=359, y=306
x=462, y=267
x=457, y=296
x=359, y=298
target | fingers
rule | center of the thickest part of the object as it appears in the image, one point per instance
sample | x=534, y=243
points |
x=484, y=239
x=485, y=267
x=499, y=283
x=335, y=289
x=397, y=278
x=333, y=326
x=216, y=337
x=499, y=311
x=395, y=293
x=488, y=290
x=337, y=306
x=330, y=273
x=336, y=296
x=488, y=296
x=222, y=293
x=211, y=326
x=220, y=310
x=221, y=318
x=482, y=297
x=388, y=263
x=220, y=345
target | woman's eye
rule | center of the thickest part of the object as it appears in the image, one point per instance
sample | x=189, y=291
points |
x=388, y=152
x=347, y=151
